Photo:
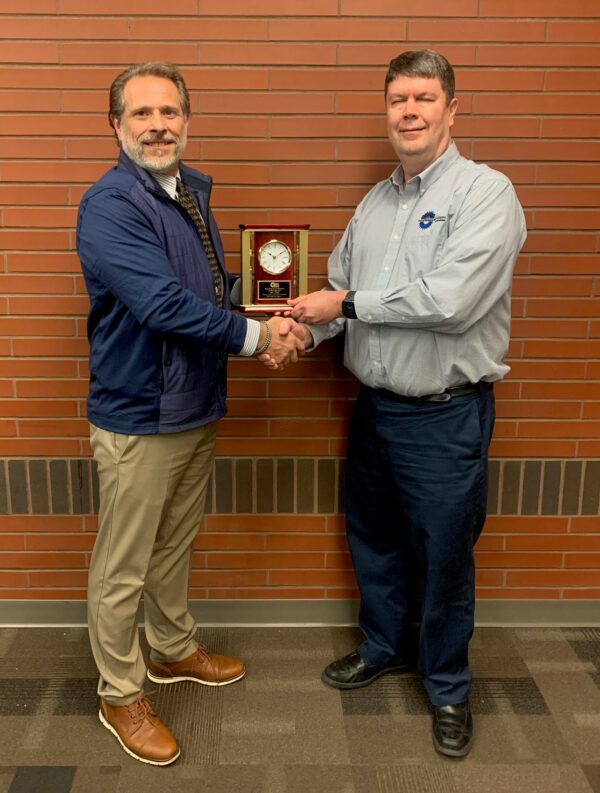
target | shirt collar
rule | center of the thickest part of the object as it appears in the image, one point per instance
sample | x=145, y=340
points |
x=431, y=174
x=168, y=183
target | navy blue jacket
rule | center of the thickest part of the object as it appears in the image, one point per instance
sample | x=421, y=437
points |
x=158, y=342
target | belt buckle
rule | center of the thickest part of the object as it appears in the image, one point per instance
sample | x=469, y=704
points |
x=443, y=397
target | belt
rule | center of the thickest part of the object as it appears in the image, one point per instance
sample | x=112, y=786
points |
x=444, y=396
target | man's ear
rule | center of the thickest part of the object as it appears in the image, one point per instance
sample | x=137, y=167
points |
x=116, y=125
x=452, y=108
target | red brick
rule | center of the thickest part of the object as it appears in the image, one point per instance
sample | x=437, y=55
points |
x=380, y=54
x=340, y=29
x=537, y=8
x=269, y=54
x=264, y=561
x=14, y=284
x=523, y=593
x=547, y=370
x=32, y=561
x=33, y=239
x=563, y=308
x=51, y=346
x=545, y=328
x=562, y=264
x=410, y=8
x=509, y=447
x=312, y=577
x=268, y=8
x=510, y=561
x=199, y=29
x=13, y=194
x=539, y=55
x=231, y=542
x=534, y=196
x=49, y=327
x=47, y=447
x=14, y=367
x=476, y=30
x=230, y=578
x=54, y=217
x=28, y=27
x=266, y=523
x=561, y=391
x=43, y=263
x=568, y=80
x=523, y=409
x=305, y=542
x=133, y=8
x=559, y=287
x=268, y=593
x=526, y=524
x=29, y=52
x=19, y=408
x=542, y=104
x=567, y=542
x=60, y=542
x=534, y=150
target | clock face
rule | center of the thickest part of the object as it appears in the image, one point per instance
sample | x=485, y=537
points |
x=274, y=257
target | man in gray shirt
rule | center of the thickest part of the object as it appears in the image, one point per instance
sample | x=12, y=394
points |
x=421, y=282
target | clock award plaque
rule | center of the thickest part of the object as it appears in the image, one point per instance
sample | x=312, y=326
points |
x=274, y=266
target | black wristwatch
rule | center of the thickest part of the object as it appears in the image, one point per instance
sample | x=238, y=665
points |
x=348, y=307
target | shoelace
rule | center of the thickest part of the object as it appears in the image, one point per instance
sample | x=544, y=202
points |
x=140, y=708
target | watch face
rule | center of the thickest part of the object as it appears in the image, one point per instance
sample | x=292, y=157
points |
x=274, y=257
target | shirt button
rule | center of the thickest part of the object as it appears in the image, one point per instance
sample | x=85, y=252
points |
x=375, y=363
x=404, y=206
x=369, y=317
x=386, y=268
x=396, y=237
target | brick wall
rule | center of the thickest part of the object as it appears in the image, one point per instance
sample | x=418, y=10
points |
x=288, y=118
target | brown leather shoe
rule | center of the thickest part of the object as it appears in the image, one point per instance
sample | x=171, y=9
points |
x=139, y=731
x=203, y=667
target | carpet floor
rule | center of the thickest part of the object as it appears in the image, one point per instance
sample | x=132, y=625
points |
x=535, y=700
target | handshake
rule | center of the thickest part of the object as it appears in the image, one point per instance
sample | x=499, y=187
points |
x=282, y=341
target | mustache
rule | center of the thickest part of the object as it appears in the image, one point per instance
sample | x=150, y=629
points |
x=159, y=139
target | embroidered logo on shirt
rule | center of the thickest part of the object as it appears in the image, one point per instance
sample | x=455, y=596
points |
x=427, y=219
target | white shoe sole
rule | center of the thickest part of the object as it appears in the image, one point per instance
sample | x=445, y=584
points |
x=182, y=678
x=129, y=752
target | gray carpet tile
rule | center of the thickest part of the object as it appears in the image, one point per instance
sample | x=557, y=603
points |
x=535, y=700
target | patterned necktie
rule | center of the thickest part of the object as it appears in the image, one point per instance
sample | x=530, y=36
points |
x=187, y=201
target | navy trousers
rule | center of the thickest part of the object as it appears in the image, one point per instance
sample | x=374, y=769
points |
x=416, y=489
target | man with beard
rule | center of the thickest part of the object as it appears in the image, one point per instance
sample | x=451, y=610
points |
x=160, y=328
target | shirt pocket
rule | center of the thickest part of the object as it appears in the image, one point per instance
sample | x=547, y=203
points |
x=423, y=250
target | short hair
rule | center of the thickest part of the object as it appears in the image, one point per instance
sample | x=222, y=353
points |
x=422, y=63
x=116, y=104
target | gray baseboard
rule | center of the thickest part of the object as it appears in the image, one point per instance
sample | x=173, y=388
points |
x=498, y=613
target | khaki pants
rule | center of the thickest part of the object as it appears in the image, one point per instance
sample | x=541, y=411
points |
x=152, y=497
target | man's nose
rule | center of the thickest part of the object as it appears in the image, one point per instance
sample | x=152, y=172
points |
x=157, y=121
x=410, y=107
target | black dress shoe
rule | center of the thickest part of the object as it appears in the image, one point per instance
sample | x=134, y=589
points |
x=352, y=672
x=453, y=729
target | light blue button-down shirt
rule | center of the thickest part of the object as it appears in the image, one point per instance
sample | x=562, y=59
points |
x=431, y=263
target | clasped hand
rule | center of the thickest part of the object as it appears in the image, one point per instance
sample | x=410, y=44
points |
x=288, y=343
